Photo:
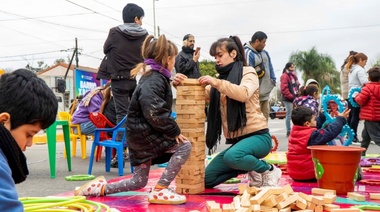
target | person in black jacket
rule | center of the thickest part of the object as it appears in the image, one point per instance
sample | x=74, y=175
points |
x=152, y=134
x=186, y=61
x=123, y=52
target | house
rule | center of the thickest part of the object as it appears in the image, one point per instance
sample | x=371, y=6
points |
x=78, y=80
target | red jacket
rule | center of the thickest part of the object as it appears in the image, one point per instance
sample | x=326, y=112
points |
x=299, y=163
x=369, y=101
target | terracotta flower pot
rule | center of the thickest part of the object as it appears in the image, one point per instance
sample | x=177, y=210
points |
x=336, y=166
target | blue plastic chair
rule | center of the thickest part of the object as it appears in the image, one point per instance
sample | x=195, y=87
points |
x=109, y=144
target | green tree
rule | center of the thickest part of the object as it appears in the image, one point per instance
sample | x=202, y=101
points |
x=41, y=66
x=318, y=66
x=207, y=67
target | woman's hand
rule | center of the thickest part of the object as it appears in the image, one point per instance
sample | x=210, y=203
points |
x=178, y=78
x=181, y=138
x=206, y=80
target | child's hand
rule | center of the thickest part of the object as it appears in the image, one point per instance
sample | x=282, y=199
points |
x=345, y=113
x=178, y=79
x=181, y=138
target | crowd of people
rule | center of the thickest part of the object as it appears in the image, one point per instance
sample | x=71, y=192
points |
x=238, y=101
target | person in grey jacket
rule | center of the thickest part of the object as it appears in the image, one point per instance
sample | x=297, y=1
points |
x=259, y=59
x=186, y=61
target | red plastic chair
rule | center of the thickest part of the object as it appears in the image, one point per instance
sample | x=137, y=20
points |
x=101, y=121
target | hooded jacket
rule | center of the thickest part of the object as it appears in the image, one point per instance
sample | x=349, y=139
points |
x=185, y=64
x=123, y=51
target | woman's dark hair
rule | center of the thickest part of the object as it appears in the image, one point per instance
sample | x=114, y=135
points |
x=230, y=44
x=287, y=66
x=309, y=90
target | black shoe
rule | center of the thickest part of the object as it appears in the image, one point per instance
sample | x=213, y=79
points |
x=355, y=141
x=115, y=164
x=287, y=134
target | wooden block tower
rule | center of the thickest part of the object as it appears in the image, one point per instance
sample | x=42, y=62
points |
x=190, y=108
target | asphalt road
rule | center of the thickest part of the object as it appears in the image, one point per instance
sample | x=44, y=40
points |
x=39, y=183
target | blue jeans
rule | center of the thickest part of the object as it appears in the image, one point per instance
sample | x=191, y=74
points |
x=371, y=131
x=289, y=109
x=87, y=128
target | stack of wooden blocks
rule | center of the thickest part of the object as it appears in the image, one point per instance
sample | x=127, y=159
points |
x=190, y=109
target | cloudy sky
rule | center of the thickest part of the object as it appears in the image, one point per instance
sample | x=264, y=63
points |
x=36, y=30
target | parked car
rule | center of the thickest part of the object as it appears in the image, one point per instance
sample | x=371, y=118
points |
x=277, y=112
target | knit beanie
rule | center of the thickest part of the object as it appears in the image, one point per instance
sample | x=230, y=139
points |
x=131, y=11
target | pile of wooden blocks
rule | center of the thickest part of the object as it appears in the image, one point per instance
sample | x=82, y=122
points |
x=190, y=108
x=283, y=199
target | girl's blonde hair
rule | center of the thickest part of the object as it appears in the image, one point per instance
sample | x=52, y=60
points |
x=354, y=59
x=157, y=49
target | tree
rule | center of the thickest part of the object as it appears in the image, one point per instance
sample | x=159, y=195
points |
x=41, y=66
x=320, y=67
x=207, y=67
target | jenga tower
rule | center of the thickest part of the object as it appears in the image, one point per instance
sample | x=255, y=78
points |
x=190, y=108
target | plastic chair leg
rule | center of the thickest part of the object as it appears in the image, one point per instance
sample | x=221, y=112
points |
x=120, y=160
x=83, y=141
x=108, y=159
x=98, y=153
x=74, y=148
x=92, y=158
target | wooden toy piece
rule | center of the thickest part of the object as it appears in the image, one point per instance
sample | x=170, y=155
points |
x=266, y=209
x=346, y=210
x=212, y=206
x=244, y=200
x=310, y=198
x=318, y=208
x=270, y=201
x=288, y=189
x=291, y=199
x=356, y=196
x=321, y=191
x=329, y=207
x=236, y=202
x=256, y=208
x=301, y=203
x=329, y=197
x=311, y=205
x=228, y=208
x=244, y=210
x=305, y=210
x=242, y=188
x=281, y=197
x=261, y=196
x=374, y=195
x=287, y=209
x=252, y=190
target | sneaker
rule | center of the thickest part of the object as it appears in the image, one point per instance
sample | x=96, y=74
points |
x=166, y=196
x=271, y=178
x=92, y=188
x=256, y=178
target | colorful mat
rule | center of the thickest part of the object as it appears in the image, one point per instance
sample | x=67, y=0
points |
x=224, y=193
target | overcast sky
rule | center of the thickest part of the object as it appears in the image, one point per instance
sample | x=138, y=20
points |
x=46, y=29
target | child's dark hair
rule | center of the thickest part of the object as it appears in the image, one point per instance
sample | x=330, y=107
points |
x=374, y=74
x=301, y=114
x=230, y=44
x=27, y=99
x=309, y=90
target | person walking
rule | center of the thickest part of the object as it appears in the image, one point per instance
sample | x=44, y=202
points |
x=186, y=61
x=289, y=85
x=259, y=59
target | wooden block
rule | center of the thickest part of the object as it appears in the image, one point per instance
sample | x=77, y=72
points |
x=301, y=203
x=266, y=209
x=236, y=202
x=346, y=210
x=277, y=190
x=252, y=190
x=212, y=206
x=288, y=189
x=244, y=200
x=356, y=196
x=311, y=205
x=329, y=207
x=321, y=191
x=281, y=197
x=318, y=208
x=374, y=195
x=194, y=211
x=228, y=208
x=291, y=199
x=243, y=210
x=256, y=208
x=242, y=188
x=261, y=196
x=329, y=197
x=305, y=210
x=270, y=201
x=287, y=209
